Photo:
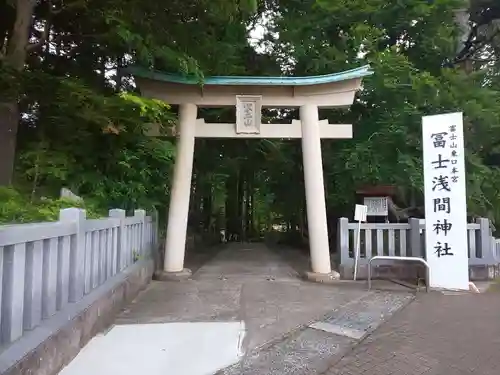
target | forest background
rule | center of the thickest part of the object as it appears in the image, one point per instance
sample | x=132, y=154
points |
x=71, y=117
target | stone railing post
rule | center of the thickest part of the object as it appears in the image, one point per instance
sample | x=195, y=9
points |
x=496, y=248
x=494, y=254
x=122, y=238
x=155, y=234
x=484, y=241
x=155, y=250
x=343, y=242
x=142, y=233
x=416, y=249
x=77, y=252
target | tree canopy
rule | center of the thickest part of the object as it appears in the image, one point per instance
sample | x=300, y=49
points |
x=73, y=118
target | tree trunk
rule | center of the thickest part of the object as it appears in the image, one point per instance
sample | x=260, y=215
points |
x=249, y=211
x=207, y=210
x=14, y=58
x=9, y=120
x=241, y=205
x=196, y=201
x=232, y=208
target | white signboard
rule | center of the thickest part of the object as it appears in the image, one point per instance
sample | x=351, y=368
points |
x=248, y=114
x=360, y=212
x=377, y=206
x=445, y=201
x=359, y=215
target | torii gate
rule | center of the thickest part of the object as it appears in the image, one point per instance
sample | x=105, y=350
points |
x=249, y=95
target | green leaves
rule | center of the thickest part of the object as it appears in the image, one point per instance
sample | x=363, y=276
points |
x=15, y=208
x=407, y=44
x=84, y=122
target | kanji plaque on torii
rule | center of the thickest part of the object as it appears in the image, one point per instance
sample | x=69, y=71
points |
x=248, y=114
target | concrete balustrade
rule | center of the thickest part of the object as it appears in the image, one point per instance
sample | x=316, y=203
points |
x=52, y=272
x=408, y=239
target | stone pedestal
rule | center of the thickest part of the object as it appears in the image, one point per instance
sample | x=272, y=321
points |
x=323, y=278
x=185, y=274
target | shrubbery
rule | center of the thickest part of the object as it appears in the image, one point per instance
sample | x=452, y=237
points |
x=16, y=208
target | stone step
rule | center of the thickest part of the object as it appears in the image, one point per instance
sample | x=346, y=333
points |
x=307, y=352
x=361, y=317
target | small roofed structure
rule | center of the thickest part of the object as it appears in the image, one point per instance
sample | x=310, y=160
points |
x=380, y=200
x=249, y=95
x=377, y=199
x=378, y=191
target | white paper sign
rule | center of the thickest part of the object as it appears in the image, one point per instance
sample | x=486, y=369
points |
x=377, y=206
x=445, y=201
x=360, y=212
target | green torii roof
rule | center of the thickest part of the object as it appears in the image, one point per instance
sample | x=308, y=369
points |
x=251, y=80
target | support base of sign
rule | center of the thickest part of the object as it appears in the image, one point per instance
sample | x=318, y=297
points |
x=360, y=212
x=323, y=278
x=472, y=289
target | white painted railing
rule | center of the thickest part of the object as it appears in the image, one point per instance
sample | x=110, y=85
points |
x=46, y=266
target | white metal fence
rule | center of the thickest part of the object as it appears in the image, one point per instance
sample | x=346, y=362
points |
x=45, y=266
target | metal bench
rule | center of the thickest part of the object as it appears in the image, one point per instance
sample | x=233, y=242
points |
x=409, y=259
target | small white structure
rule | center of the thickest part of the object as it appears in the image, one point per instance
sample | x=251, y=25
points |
x=376, y=206
x=249, y=95
x=445, y=201
x=68, y=194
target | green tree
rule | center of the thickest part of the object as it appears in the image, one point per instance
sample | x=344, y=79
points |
x=83, y=125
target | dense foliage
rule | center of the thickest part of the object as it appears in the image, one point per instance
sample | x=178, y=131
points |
x=82, y=124
x=16, y=208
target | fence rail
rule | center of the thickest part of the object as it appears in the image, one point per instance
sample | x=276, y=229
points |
x=408, y=239
x=46, y=266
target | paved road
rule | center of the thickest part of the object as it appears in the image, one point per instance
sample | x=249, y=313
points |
x=435, y=335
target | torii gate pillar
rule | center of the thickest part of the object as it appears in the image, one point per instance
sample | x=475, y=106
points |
x=315, y=190
x=180, y=194
x=250, y=94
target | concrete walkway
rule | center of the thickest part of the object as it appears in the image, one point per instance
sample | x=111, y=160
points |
x=245, y=311
x=435, y=335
